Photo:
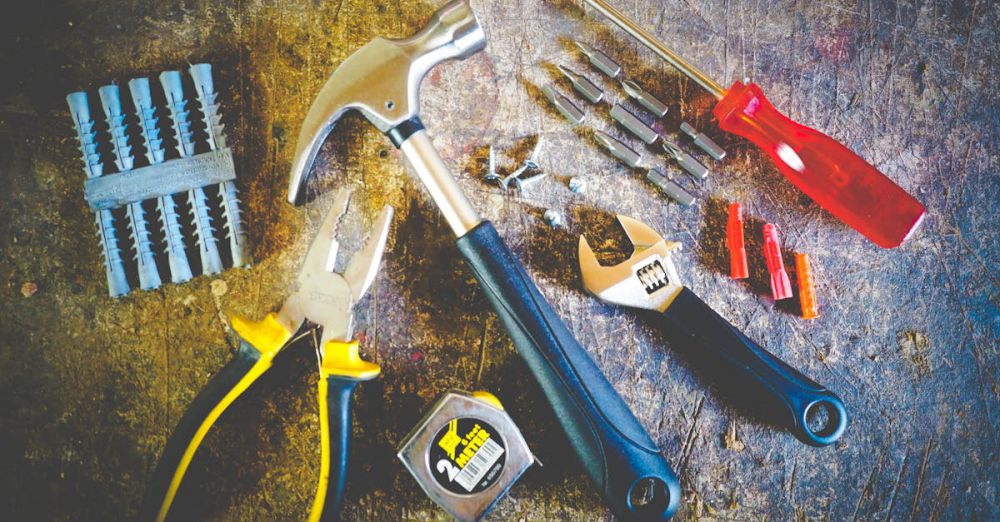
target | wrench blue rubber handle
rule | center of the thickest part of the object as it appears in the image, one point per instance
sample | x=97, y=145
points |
x=753, y=376
x=617, y=454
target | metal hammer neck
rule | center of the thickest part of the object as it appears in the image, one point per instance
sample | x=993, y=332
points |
x=444, y=190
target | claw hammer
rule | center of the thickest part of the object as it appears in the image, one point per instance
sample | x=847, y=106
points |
x=381, y=81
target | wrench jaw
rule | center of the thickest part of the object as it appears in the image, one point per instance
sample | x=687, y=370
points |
x=648, y=279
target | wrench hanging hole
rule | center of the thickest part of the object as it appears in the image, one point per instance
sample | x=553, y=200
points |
x=648, y=496
x=389, y=104
x=822, y=419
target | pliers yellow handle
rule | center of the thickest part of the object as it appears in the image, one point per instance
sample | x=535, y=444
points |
x=260, y=342
x=323, y=297
x=340, y=372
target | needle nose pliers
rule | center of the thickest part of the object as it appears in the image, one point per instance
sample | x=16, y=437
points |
x=325, y=299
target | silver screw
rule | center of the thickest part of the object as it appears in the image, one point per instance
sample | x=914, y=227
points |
x=530, y=163
x=552, y=217
x=491, y=167
x=578, y=185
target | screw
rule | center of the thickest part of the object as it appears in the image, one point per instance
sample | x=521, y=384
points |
x=552, y=217
x=491, y=167
x=530, y=163
x=527, y=182
x=578, y=185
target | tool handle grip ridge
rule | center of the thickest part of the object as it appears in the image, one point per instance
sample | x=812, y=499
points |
x=753, y=376
x=616, y=451
x=335, y=395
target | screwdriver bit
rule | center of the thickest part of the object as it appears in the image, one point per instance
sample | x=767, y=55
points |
x=671, y=189
x=685, y=160
x=703, y=142
x=563, y=105
x=601, y=61
x=644, y=98
x=582, y=85
x=619, y=150
x=634, y=125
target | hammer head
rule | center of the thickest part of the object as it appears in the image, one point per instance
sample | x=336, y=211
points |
x=382, y=80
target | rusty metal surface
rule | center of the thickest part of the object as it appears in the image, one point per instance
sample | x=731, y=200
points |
x=90, y=387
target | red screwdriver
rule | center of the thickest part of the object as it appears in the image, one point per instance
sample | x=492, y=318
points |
x=827, y=171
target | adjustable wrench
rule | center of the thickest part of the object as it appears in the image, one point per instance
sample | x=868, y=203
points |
x=648, y=280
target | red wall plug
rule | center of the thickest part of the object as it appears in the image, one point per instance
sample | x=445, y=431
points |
x=734, y=240
x=781, y=287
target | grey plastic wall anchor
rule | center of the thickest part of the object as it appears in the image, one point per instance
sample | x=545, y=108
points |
x=235, y=231
x=142, y=98
x=145, y=258
x=79, y=109
x=670, y=188
x=173, y=89
x=201, y=74
x=114, y=267
x=208, y=249
x=180, y=267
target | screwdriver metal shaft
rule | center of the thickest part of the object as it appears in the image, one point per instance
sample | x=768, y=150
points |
x=657, y=47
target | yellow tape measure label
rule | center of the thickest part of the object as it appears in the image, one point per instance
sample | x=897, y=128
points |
x=466, y=456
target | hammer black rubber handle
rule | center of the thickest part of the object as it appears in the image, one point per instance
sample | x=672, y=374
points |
x=751, y=375
x=617, y=453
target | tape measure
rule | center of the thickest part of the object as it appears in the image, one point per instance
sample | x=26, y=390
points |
x=466, y=453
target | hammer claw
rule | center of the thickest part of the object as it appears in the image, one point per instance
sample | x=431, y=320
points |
x=381, y=80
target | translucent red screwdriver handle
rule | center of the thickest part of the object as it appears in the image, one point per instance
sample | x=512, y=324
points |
x=828, y=172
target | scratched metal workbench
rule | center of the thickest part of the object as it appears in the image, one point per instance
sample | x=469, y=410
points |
x=91, y=386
